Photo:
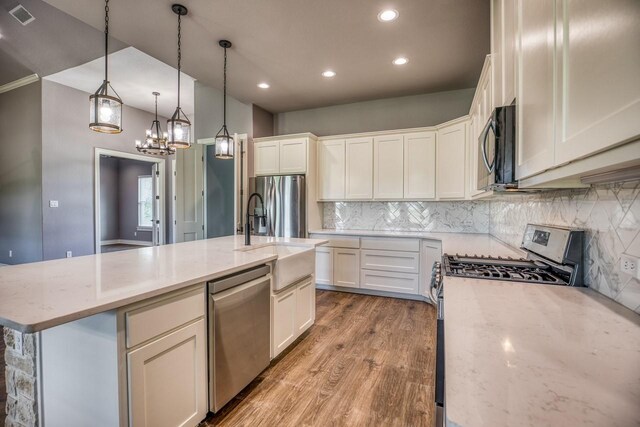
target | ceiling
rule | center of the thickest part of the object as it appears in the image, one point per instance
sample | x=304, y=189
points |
x=134, y=75
x=288, y=43
x=53, y=42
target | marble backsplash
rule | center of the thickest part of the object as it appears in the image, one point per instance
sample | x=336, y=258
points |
x=462, y=217
x=610, y=216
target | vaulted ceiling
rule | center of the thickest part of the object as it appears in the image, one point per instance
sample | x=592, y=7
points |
x=288, y=43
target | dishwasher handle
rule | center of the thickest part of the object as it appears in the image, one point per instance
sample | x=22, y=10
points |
x=237, y=279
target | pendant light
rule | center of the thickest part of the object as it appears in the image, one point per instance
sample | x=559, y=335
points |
x=155, y=141
x=224, y=142
x=179, y=126
x=105, y=106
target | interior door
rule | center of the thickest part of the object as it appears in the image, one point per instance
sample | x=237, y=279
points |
x=189, y=220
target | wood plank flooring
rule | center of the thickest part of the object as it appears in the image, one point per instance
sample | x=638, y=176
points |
x=368, y=361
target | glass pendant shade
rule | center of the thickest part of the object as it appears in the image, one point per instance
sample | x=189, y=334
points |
x=179, y=130
x=105, y=110
x=224, y=144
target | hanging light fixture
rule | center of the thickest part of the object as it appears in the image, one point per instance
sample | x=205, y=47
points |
x=179, y=126
x=224, y=142
x=105, y=106
x=155, y=141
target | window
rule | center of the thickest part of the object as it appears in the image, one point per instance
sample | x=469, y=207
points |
x=145, y=201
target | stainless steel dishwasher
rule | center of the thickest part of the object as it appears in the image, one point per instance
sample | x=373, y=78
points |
x=239, y=332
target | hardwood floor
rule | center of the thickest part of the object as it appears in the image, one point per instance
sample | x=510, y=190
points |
x=368, y=361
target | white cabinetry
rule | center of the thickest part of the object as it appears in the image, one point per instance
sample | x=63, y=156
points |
x=451, y=181
x=420, y=165
x=285, y=157
x=346, y=267
x=168, y=379
x=503, y=51
x=324, y=265
x=359, y=168
x=431, y=253
x=598, y=76
x=294, y=311
x=160, y=394
x=536, y=89
x=331, y=169
x=266, y=158
x=388, y=169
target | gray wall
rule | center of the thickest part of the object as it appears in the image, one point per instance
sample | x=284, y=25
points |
x=109, y=205
x=381, y=114
x=219, y=173
x=20, y=175
x=68, y=151
x=262, y=122
x=129, y=171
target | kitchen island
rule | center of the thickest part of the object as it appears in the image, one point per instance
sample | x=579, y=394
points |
x=83, y=300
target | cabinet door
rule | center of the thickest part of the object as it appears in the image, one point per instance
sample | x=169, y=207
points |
x=160, y=394
x=598, y=76
x=346, y=267
x=284, y=320
x=503, y=48
x=451, y=162
x=266, y=158
x=324, y=266
x=359, y=168
x=331, y=169
x=431, y=253
x=293, y=156
x=305, y=306
x=388, y=167
x=387, y=281
x=536, y=91
x=420, y=165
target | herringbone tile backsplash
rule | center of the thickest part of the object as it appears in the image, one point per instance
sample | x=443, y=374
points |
x=610, y=215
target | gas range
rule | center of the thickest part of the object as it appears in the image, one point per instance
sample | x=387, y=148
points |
x=515, y=270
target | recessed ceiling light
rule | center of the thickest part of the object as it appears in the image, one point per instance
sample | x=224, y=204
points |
x=329, y=73
x=400, y=61
x=387, y=15
x=263, y=85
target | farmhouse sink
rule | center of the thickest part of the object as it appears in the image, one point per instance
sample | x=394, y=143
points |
x=293, y=263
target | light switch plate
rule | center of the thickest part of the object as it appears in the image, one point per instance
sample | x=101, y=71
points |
x=69, y=254
x=53, y=203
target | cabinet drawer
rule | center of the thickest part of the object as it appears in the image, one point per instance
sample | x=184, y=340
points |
x=386, y=244
x=389, y=282
x=402, y=262
x=155, y=319
x=338, y=241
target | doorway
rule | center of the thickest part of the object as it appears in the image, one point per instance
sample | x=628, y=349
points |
x=129, y=201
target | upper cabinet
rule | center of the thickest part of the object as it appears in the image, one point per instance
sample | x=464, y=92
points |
x=286, y=156
x=598, y=76
x=359, y=168
x=536, y=89
x=331, y=169
x=451, y=162
x=503, y=51
x=420, y=165
x=388, y=167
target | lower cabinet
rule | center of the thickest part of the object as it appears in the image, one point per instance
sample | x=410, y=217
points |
x=346, y=267
x=387, y=281
x=324, y=265
x=168, y=379
x=293, y=311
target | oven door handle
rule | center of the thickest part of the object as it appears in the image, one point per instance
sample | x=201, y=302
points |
x=490, y=126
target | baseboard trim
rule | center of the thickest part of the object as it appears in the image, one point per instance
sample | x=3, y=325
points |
x=125, y=242
x=372, y=292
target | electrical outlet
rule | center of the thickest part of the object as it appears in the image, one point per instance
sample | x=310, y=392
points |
x=10, y=253
x=629, y=265
x=53, y=203
x=69, y=254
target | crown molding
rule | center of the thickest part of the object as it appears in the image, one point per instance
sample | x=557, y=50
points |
x=19, y=83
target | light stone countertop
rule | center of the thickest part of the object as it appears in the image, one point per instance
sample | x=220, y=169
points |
x=452, y=243
x=518, y=354
x=41, y=295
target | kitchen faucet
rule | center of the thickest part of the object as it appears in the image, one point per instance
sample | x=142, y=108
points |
x=247, y=226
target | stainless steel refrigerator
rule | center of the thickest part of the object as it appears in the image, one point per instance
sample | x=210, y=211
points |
x=285, y=205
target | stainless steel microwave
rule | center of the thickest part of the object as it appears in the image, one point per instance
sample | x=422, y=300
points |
x=497, y=156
